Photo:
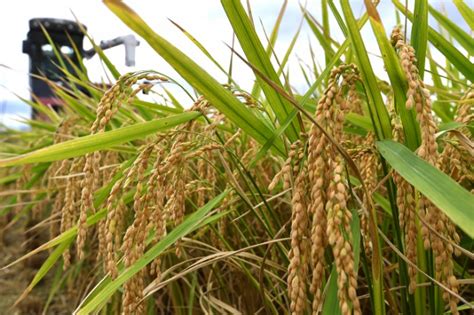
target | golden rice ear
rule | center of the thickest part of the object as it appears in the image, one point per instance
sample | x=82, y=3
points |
x=328, y=202
x=155, y=199
x=71, y=197
x=134, y=240
x=104, y=113
x=56, y=179
x=407, y=216
x=434, y=222
x=368, y=165
x=456, y=159
x=339, y=237
x=121, y=92
x=299, y=252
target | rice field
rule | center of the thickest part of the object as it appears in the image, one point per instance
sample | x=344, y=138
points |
x=355, y=197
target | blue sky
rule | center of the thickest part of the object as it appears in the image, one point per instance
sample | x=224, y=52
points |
x=205, y=19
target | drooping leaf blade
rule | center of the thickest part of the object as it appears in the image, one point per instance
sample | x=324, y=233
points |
x=91, y=143
x=451, y=198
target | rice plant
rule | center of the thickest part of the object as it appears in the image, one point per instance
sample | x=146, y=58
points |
x=353, y=198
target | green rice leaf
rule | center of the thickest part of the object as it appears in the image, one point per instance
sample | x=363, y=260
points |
x=103, y=57
x=201, y=48
x=256, y=89
x=359, y=121
x=332, y=63
x=463, y=38
x=338, y=17
x=397, y=78
x=100, y=141
x=322, y=39
x=451, y=198
x=377, y=109
x=331, y=302
x=442, y=109
x=257, y=56
x=466, y=12
x=419, y=34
